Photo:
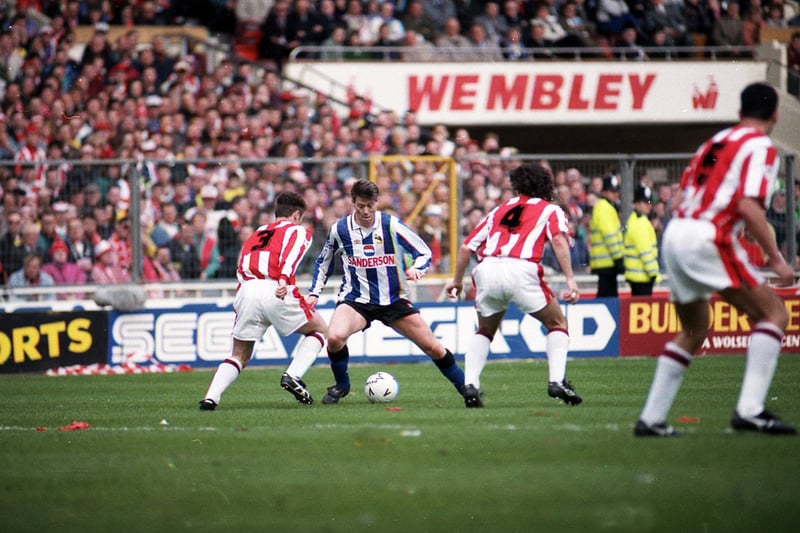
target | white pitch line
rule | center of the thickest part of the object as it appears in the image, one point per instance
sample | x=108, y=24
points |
x=614, y=428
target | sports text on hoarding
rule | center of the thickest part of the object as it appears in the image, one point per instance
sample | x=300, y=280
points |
x=23, y=342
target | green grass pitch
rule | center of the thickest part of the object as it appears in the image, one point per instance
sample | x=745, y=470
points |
x=263, y=462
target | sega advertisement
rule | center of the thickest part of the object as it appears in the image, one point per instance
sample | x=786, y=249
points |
x=38, y=341
x=199, y=335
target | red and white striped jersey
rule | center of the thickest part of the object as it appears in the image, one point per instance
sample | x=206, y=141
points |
x=31, y=154
x=518, y=228
x=738, y=162
x=273, y=251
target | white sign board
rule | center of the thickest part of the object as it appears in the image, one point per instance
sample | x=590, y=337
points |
x=541, y=93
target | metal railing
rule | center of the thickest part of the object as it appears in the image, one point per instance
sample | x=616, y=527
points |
x=658, y=168
x=433, y=54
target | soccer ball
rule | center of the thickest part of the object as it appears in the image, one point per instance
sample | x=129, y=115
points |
x=381, y=387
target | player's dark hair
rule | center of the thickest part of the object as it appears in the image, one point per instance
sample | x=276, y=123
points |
x=364, y=188
x=534, y=180
x=758, y=100
x=287, y=202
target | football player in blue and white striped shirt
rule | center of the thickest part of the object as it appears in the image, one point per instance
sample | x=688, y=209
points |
x=375, y=285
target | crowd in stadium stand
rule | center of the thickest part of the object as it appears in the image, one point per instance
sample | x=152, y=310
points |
x=131, y=100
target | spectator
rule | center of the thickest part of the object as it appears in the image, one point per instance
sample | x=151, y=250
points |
x=151, y=13
x=777, y=216
x=483, y=48
x=666, y=16
x=416, y=20
x=63, y=271
x=612, y=17
x=275, y=44
x=163, y=267
x=395, y=31
x=31, y=275
x=205, y=243
x=209, y=196
x=541, y=47
x=752, y=23
x=47, y=233
x=99, y=48
x=727, y=30
x=775, y=17
x=121, y=243
x=793, y=63
x=168, y=226
x=357, y=22
x=30, y=244
x=574, y=20
x=698, y=17
x=514, y=15
x=81, y=248
x=630, y=46
x=439, y=12
x=512, y=45
x=106, y=270
x=229, y=244
x=384, y=41
x=327, y=19
x=553, y=30
x=494, y=24
x=431, y=231
x=301, y=23
x=184, y=253
x=11, y=243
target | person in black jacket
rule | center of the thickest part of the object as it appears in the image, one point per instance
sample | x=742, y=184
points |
x=229, y=246
x=184, y=253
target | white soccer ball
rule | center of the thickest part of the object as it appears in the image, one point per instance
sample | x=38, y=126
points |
x=381, y=387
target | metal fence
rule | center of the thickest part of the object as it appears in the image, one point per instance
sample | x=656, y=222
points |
x=107, y=190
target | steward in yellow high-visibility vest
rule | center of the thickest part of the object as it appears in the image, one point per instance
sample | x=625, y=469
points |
x=605, y=234
x=641, y=246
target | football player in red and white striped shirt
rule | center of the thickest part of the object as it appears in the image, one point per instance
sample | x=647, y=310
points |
x=267, y=296
x=725, y=190
x=509, y=242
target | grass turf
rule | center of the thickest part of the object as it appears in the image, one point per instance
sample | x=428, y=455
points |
x=263, y=462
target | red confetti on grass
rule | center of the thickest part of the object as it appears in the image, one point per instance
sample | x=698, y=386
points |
x=41, y=428
x=394, y=408
x=689, y=420
x=74, y=425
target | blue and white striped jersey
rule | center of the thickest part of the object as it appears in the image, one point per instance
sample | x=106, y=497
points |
x=373, y=259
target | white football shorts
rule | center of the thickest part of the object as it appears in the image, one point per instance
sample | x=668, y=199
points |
x=499, y=281
x=698, y=265
x=257, y=308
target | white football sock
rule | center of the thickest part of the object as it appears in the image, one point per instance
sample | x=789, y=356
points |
x=227, y=372
x=475, y=359
x=762, y=358
x=305, y=356
x=666, y=382
x=556, y=347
